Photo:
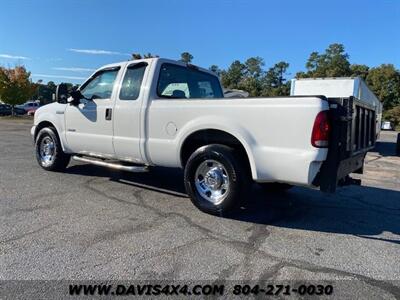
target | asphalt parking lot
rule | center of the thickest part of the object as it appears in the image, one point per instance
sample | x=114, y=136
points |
x=94, y=223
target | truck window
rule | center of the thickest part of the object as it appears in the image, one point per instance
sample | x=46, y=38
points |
x=101, y=85
x=132, y=82
x=186, y=82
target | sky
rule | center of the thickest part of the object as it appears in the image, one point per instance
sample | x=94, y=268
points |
x=65, y=40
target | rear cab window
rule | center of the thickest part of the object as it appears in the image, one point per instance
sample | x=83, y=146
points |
x=178, y=82
x=132, y=82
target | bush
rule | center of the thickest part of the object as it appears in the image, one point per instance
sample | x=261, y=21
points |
x=393, y=115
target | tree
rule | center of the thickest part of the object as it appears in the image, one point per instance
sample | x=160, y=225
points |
x=139, y=56
x=274, y=81
x=251, y=77
x=136, y=56
x=215, y=69
x=336, y=61
x=15, y=86
x=359, y=70
x=234, y=75
x=313, y=62
x=149, y=55
x=393, y=115
x=385, y=83
x=45, y=92
x=186, y=57
x=254, y=67
x=251, y=85
x=384, y=80
x=275, y=75
x=333, y=63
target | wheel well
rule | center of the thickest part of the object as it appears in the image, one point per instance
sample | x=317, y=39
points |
x=45, y=124
x=211, y=136
x=42, y=125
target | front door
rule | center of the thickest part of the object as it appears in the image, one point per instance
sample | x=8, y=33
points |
x=89, y=125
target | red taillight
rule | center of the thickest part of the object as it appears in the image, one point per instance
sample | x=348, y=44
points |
x=320, y=133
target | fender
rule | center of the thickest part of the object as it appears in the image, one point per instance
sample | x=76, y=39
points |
x=219, y=123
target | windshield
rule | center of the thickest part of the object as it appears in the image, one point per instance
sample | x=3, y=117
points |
x=180, y=82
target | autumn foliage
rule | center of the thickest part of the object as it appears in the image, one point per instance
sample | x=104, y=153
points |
x=15, y=86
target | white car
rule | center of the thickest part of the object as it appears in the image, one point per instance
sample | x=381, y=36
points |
x=160, y=112
x=386, y=125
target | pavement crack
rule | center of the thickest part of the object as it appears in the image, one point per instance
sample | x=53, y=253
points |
x=35, y=208
x=19, y=237
x=173, y=250
x=224, y=274
x=249, y=250
x=88, y=185
x=271, y=273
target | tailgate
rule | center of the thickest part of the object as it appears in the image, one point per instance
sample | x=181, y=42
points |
x=353, y=134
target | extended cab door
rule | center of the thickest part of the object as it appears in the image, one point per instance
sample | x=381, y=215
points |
x=128, y=105
x=89, y=125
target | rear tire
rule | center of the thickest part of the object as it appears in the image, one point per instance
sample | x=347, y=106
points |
x=48, y=150
x=215, y=179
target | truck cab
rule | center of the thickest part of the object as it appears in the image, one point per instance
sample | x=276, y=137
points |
x=109, y=120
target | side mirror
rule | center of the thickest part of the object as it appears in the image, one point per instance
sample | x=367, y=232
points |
x=61, y=93
x=75, y=98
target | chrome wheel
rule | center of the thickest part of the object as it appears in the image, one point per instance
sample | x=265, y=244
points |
x=212, y=181
x=46, y=151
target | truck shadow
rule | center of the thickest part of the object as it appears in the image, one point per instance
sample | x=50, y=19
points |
x=164, y=180
x=354, y=210
x=385, y=148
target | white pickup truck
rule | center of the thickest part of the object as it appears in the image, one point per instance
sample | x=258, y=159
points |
x=158, y=112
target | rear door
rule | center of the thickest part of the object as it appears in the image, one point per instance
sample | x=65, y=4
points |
x=127, y=113
x=89, y=125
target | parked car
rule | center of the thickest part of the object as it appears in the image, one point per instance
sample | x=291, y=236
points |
x=160, y=112
x=19, y=111
x=233, y=93
x=29, y=106
x=5, y=110
x=386, y=125
x=32, y=111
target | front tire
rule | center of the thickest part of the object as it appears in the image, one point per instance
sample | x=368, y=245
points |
x=48, y=150
x=215, y=177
